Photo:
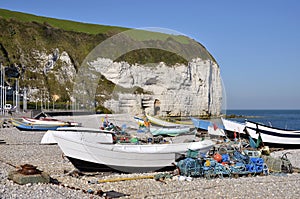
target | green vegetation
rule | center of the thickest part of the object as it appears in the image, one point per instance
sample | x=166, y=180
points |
x=150, y=55
x=143, y=35
x=61, y=24
x=24, y=38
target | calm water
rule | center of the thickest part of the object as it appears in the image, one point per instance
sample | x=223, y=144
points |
x=286, y=119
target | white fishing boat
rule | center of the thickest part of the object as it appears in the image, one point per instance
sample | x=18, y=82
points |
x=90, y=134
x=215, y=131
x=48, y=121
x=160, y=122
x=48, y=138
x=233, y=126
x=272, y=136
x=88, y=154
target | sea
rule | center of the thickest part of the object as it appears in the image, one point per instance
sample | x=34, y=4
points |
x=285, y=119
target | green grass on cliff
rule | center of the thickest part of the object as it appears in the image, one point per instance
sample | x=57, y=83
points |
x=68, y=25
x=62, y=24
x=23, y=37
x=144, y=35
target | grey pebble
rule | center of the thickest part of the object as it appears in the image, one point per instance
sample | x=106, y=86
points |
x=24, y=147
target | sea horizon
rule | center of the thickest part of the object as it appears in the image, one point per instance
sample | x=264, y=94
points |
x=281, y=118
x=259, y=109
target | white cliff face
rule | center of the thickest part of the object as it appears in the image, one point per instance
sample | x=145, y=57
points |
x=195, y=89
x=178, y=90
x=47, y=62
x=67, y=70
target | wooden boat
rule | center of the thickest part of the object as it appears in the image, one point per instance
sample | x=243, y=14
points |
x=162, y=129
x=41, y=121
x=25, y=126
x=42, y=124
x=201, y=124
x=215, y=131
x=174, y=131
x=96, y=135
x=274, y=137
x=233, y=126
x=49, y=120
x=160, y=122
x=90, y=154
x=142, y=122
x=139, y=120
x=48, y=137
x=204, y=124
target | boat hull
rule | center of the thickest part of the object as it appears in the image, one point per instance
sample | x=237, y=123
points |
x=43, y=122
x=49, y=121
x=33, y=127
x=86, y=166
x=163, y=123
x=274, y=137
x=216, y=132
x=88, y=134
x=201, y=124
x=130, y=158
x=169, y=131
x=233, y=126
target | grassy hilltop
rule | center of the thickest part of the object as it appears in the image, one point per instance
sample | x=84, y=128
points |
x=22, y=35
x=61, y=24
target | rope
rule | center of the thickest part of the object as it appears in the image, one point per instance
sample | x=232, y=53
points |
x=55, y=182
x=125, y=179
x=10, y=164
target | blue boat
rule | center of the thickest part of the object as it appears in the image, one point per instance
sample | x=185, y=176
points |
x=204, y=124
x=24, y=126
x=201, y=124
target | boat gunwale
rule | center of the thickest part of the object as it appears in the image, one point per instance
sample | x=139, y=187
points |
x=270, y=127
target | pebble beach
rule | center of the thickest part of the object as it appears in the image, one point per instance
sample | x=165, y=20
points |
x=23, y=147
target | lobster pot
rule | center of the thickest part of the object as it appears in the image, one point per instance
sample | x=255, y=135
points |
x=190, y=167
x=278, y=164
x=192, y=154
x=251, y=168
x=257, y=161
x=258, y=164
x=237, y=156
x=274, y=164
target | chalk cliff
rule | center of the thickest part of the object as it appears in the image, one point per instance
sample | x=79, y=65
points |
x=179, y=90
x=164, y=73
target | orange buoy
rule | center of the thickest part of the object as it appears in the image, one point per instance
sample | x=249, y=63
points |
x=218, y=157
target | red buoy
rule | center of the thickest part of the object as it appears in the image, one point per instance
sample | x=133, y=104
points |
x=218, y=157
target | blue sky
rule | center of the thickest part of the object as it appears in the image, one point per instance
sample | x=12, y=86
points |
x=256, y=43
